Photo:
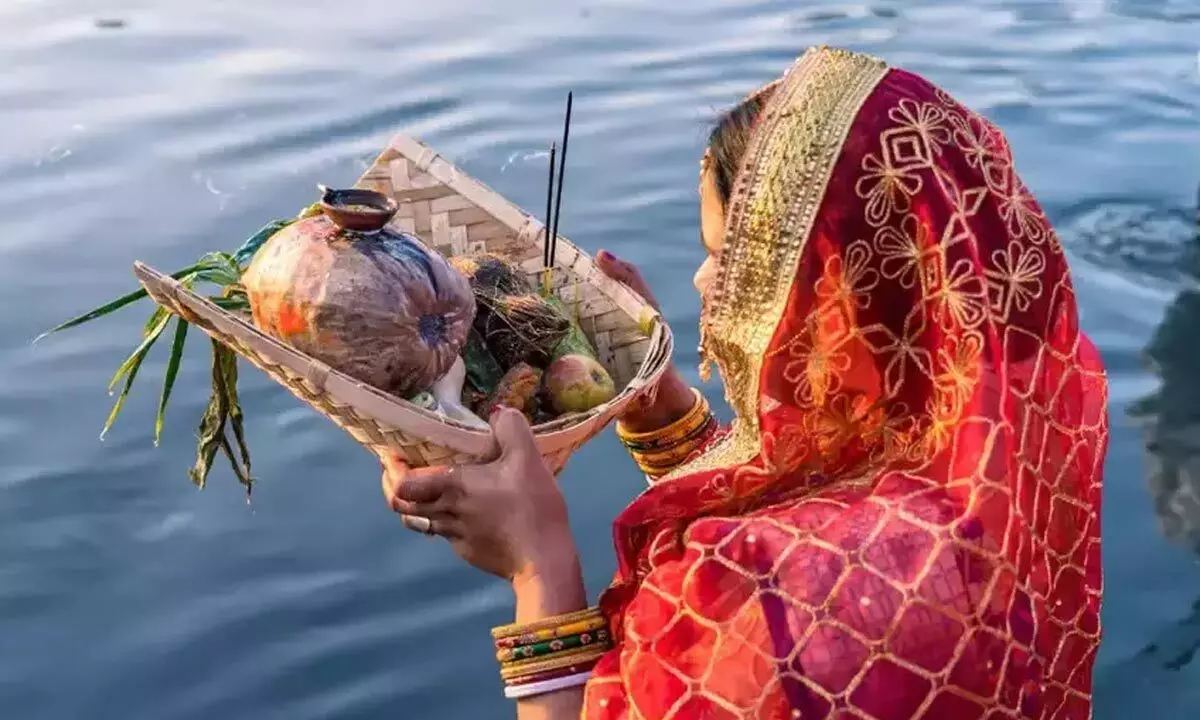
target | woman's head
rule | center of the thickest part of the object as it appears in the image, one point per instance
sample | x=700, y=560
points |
x=876, y=252
x=727, y=145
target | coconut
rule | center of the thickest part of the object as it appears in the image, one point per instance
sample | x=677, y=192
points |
x=373, y=303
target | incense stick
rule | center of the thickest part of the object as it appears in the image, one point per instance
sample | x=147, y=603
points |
x=562, y=171
x=546, y=245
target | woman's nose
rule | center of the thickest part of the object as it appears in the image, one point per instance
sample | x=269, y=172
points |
x=703, y=276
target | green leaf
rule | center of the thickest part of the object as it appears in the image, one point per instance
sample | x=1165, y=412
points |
x=230, y=303
x=131, y=366
x=236, y=421
x=155, y=318
x=243, y=475
x=177, y=343
x=114, y=305
x=212, y=424
x=134, y=361
x=246, y=252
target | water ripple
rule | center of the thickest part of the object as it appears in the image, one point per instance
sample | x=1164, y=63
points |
x=195, y=123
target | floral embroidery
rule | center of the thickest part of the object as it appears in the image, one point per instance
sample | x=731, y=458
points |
x=902, y=248
x=928, y=120
x=1015, y=278
x=886, y=189
x=849, y=279
x=960, y=299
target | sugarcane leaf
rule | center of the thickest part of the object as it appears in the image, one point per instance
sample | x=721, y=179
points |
x=114, y=305
x=156, y=317
x=243, y=475
x=177, y=344
x=135, y=359
x=130, y=369
x=210, y=432
x=212, y=424
x=230, y=303
x=219, y=271
x=96, y=313
x=236, y=420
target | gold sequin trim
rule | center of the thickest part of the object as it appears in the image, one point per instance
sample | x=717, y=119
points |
x=775, y=201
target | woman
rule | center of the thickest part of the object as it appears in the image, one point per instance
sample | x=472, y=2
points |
x=902, y=522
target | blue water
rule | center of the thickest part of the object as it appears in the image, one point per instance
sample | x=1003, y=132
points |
x=127, y=594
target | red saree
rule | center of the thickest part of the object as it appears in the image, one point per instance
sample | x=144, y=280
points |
x=903, y=520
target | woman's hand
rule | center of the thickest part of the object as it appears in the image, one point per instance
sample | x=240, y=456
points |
x=506, y=517
x=671, y=398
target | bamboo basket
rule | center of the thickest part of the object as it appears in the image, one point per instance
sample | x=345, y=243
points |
x=454, y=214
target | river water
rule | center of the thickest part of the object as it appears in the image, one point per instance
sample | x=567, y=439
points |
x=127, y=594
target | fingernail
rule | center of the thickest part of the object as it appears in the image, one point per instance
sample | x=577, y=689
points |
x=495, y=410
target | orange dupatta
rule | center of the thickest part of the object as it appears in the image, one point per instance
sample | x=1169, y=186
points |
x=903, y=520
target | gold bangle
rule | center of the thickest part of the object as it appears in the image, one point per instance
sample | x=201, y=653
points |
x=677, y=431
x=699, y=405
x=550, y=623
x=670, y=456
x=536, y=636
x=681, y=451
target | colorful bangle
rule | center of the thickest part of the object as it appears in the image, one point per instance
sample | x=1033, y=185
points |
x=517, y=692
x=587, y=658
x=551, y=674
x=548, y=647
x=537, y=636
x=539, y=657
x=550, y=623
x=521, y=667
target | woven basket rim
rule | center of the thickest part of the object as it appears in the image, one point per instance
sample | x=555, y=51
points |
x=660, y=336
x=395, y=412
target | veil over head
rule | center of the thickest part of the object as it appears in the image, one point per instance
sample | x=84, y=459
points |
x=903, y=521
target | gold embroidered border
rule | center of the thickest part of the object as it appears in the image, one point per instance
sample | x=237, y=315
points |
x=778, y=193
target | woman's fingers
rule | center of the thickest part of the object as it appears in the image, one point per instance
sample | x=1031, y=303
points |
x=625, y=272
x=513, y=433
x=434, y=488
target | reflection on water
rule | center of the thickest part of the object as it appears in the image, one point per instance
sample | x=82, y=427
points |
x=1171, y=415
x=1162, y=676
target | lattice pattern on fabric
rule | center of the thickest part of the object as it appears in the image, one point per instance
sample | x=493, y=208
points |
x=912, y=528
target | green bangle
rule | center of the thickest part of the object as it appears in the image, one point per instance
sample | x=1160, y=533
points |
x=549, y=647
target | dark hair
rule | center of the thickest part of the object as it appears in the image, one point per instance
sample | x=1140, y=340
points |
x=728, y=141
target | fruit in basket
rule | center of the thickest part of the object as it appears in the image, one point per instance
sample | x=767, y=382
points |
x=371, y=302
x=577, y=383
x=518, y=389
x=516, y=323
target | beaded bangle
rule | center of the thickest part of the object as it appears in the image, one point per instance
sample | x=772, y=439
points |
x=548, y=647
x=563, y=657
